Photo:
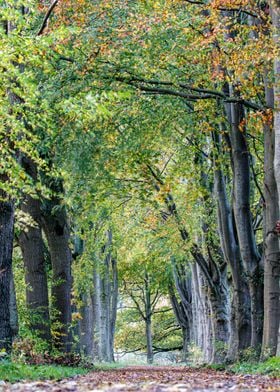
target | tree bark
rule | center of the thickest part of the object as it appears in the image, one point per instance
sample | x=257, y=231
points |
x=148, y=320
x=86, y=327
x=104, y=302
x=275, y=16
x=242, y=214
x=114, y=303
x=13, y=307
x=183, y=318
x=32, y=248
x=6, y=250
x=240, y=335
x=271, y=243
x=55, y=225
x=149, y=340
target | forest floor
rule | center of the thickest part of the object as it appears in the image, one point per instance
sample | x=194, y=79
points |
x=152, y=379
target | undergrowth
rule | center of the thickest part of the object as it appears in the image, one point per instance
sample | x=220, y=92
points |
x=13, y=372
x=270, y=367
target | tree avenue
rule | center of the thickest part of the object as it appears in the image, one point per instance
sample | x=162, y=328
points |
x=140, y=180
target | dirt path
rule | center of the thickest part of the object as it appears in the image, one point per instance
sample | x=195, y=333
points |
x=153, y=379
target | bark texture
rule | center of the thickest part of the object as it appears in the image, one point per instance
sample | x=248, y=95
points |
x=240, y=335
x=271, y=243
x=275, y=15
x=6, y=249
x=32, y=248
x=243, y=219
x=13, y=307
x=55, y=225
x=104, y=302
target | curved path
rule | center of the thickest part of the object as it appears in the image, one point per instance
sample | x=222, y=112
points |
x=153, y=379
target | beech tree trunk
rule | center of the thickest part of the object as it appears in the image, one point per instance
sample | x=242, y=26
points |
x=183, y=308
x=114, y=304
x=6, y=250
x=271, y=243
x=32, y=248
x=104, y=302
x=13, y=308
x=86, y=327
x=240, y=336
x=242, y=214
x=55, y=225
x=148, y=320
x=202, y=322
x=182, y=319
x=275, y=15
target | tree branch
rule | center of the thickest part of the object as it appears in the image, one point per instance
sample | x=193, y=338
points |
x=154, y=88
x=47, y=17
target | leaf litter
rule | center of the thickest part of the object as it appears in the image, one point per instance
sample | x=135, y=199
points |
x=152, y=379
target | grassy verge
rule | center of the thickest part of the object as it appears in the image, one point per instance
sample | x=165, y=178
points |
x=13, y=372
x=270, y=367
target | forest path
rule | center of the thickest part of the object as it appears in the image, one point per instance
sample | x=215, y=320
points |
x=153, y=379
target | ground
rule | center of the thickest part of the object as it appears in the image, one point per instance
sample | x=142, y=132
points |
x=152, y=379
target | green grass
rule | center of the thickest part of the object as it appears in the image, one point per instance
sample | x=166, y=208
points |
x=270, y=367
x=108, y=366
x=13, y=372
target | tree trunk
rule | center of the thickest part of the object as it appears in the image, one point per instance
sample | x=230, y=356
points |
x=271, y=243
x=183, y=312
x=104, y=300
x=149, y=340
x=148, y=321
x=202, y=326
x=86, y=327
x=55, y=225
x=13, y=307
x=6, y=250
x=32, y=248
x=96, y=304
x=275, y=15
x=105, y=310
x=240, y=335
x=114, y=303
x=243, y=219
x=219, y=304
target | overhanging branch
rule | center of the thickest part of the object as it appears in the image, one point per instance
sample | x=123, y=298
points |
x=47, y=17
x=159, y=87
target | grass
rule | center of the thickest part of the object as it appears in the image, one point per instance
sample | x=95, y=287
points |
x=270, y=367
x=13, y=372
